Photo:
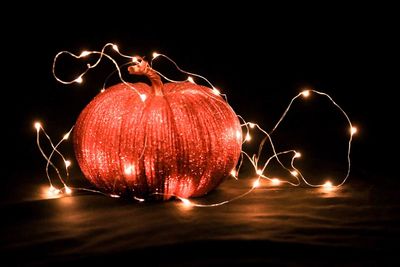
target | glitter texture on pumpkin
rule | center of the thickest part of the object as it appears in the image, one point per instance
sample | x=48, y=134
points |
x=180, y=141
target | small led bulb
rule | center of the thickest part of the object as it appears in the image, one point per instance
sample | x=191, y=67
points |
x=328, y=185
x=186, y=202
x=275, y=181
x=155, y=54
x=248, y=137
x=37, y=126
x=135, y=60
x=84, y=53
x=306, y=93
x=256, y=183
x=79, y=80
x=68, y=190
x=190, y=79
x=66, y=136
x=143, y=97
x=67, y=163
x=216, y=91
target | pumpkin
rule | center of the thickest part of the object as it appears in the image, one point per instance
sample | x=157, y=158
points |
x=182, y=140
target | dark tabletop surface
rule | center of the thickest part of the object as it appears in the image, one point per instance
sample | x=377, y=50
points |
x=355, y=225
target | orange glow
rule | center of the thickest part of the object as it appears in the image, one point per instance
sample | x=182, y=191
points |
x=353, y=130
x=37, y=126
x=52, y=192
x=186, y=202
x=248, y=137
x=155, y=54
x=68, y=190
x=306, y=93
x=328, y=185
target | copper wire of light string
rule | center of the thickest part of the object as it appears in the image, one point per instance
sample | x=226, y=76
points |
x=247, y=128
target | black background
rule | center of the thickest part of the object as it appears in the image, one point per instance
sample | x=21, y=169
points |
x=259, y=56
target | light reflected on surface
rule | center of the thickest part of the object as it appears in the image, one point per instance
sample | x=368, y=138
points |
x=328, y=190
x=328, y=186
x=186, y=202
x=68, y=190
x=67, y=202
x=50, y=192
x=275, y=181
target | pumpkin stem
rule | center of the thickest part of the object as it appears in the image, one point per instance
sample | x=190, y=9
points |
x=143, y=68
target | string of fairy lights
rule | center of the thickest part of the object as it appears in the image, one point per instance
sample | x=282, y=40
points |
x=248, y=129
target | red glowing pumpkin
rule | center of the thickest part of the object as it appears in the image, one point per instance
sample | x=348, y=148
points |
x=182, y=140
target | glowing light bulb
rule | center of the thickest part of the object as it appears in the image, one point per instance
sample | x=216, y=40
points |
x=294, y=173
x=102, y=90
x=259, y=172
x=248, y=137
x=306, y=93
x=37, y=126
x=52, y=191
x=275, y=181
x=115, y=47
x=353, y=130
x=68, y=190
x=238, y=135
x=190, y=79
x=66, y=136
x=256, y=183
x=128, y=170
x=297, y=155
x=252, y=125
x=67, y=163
x=84, y=53
x=155, y=54
x=216, y=91
x=327, y=185
x=186, y=202
x=233, y=173
x=79, y=80
x=135, y=60
x=143, y=97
